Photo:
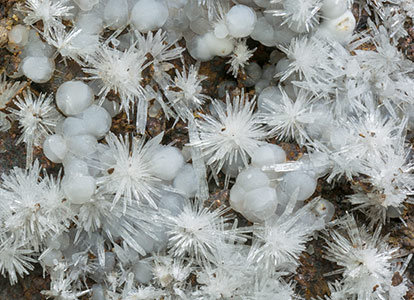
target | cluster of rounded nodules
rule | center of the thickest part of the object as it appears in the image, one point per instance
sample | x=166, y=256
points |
x=205, y=38
x=242, y=21
x=262, y=190
x=257, y=193
x=75, y=145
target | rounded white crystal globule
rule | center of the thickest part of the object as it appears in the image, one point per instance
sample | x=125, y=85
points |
x=78, y=188
x=240, y=21
x=19, y=35
x=252, y=178
x=260, y=204
x=73, y=97
x=340, y=28
x=220, y=30
x=198, y=49
x=219, y=47
x=324, y=209
x=97, y=121
x=172, y=202
x=299, y=182
x=82, y=145
x=267, y=155
x=263, y=32
x=90, y=23
x=148, y=15
x=116, y=14
x=334, y=8
x=260, y=86
x=36, y=48
x=38, y=69
x=73, y=126
x=75, y=166
x=54, y=148
x=186, y=181
x=237, y=197
x=86, y=5
x=166, y=162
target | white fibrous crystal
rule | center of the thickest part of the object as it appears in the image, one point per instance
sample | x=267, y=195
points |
x=239, y=58
x=37, y=119
x=148, y=15
x=288, y=119
x=4, y=122
x=155, y=174
x=234, y=132
x=73, y=97
x=70, y=44
x=128, y=169
x=280, y=240
x=365, y=258
x=196, y=231
x=15, y=260
x=119, y=72
x=49, y=12
x=8, y=90
x=185, y=92
x=300, y=16
x=38, y=69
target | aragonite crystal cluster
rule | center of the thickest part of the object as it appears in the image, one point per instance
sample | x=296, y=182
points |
x=133, y=214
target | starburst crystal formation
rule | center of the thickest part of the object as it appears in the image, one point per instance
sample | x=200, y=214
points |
x=155, y=174
x=231, y=135
x=37, y=119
